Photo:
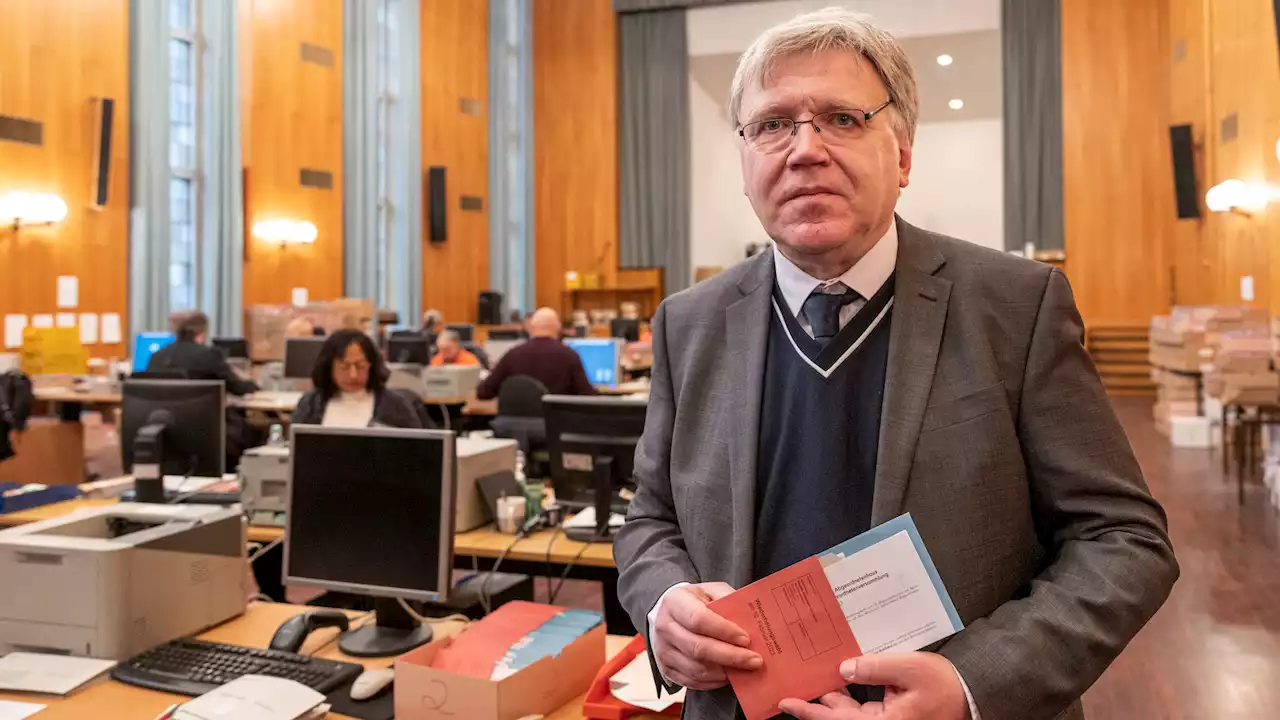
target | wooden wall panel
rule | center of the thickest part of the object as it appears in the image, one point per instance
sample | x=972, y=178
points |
x=575, y=145
x=1117, y=173
x=455, y=72
x=1192, y=257
x=55, y=57
x=295, y=122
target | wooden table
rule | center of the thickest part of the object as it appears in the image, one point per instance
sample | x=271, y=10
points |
x=111, y=700
x=266, y=403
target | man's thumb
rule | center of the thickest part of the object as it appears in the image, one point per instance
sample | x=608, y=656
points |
x=895, y=669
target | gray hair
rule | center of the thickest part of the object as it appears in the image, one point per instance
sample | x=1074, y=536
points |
x=833, y=29
x=450, y=335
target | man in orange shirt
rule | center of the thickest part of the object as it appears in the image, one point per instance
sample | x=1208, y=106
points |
x=450, y=351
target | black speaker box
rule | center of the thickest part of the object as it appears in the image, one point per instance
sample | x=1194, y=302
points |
x=437, y=206
x=103, y=116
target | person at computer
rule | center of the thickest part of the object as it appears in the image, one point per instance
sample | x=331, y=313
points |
x=432, y=322
x=189, y=353
x=350, y=387
x=544, y=358
x=449, y=351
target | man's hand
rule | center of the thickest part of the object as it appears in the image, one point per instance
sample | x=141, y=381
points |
x=918, y=686
x=697, y=644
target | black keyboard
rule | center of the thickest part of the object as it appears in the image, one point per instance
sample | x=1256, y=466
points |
x=194, y=667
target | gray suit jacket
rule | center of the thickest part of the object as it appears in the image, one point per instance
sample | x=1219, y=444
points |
x=996, y=435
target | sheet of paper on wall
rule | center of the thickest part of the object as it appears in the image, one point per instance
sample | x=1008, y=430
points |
x=48, y=674
x=300, y=297
x=65, y=320
x=44, y=320
x=13, y=327
x=88, y=328
x=10, y=710
x=68, y=291
x=111, y=333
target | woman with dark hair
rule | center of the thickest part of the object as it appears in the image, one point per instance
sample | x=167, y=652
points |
x=350, y=387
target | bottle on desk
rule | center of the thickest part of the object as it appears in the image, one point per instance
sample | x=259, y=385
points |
x=275, y=436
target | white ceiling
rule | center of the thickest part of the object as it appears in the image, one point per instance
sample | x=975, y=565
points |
x=974, y=76
x=729, y=29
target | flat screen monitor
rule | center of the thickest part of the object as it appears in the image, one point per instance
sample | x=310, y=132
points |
x=146, y=344
x=601, y=358
x=410, y=348
x=626, y=329
x=581, y=429
x=300, y=355
x=231, y=347
x=370, y=511
x=194, y=416
x=466, y=331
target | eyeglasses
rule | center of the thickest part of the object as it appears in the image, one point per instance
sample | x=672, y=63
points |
x=836, y=126
x=359, y=366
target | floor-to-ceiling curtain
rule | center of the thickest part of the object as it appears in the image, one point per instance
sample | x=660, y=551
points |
x=1031, y=32
x=149, y=174
x=222, y=199
x=653, y=139
x=510, y=157
x=382, y=157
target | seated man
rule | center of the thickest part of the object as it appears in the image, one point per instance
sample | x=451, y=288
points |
x=544, y=358
x=449, y=351
x=190, y=354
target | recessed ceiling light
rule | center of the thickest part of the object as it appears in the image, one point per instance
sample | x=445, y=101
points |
x=956, y=103
x=944, y=60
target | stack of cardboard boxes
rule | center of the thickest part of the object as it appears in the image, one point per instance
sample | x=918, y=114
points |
x=267, y=326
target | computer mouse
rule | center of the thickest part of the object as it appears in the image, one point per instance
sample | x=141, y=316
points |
x=294, y=631
x=371, y=683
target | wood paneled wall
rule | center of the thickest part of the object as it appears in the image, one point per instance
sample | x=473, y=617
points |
x=1226, y=65
x=56, y=56
x=294, y=121
x=455, y=126
x=1117, y=172
x=575, y=146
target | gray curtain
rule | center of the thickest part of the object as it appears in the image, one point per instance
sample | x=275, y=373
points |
x=222, y=199
x=510, y=157
x=653, y=140
x=149, y=174
x=1031, y=32
x=382, y=154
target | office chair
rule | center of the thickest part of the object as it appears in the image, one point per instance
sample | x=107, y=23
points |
x=480, y=354
x=416, y=402
x=520, y=418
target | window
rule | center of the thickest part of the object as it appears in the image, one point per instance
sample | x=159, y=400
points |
x=184, y=156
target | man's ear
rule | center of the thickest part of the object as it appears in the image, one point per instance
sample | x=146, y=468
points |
x=904, y=162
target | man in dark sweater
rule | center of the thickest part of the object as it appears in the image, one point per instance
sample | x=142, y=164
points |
x=544, y=358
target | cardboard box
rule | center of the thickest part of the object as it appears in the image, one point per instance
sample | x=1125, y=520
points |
x=1191, y=432
x=422, y=692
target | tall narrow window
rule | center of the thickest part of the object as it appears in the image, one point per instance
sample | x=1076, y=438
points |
x=184, y=156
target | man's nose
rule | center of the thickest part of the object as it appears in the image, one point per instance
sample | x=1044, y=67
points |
x=807, y=146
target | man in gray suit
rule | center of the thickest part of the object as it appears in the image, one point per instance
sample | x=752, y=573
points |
x=864, y=368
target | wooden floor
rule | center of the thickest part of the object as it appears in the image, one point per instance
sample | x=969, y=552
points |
x=1213, y=651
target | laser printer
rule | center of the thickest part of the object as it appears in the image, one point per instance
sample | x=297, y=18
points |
x=450, y=381
x=264, y=484
x=110, y=582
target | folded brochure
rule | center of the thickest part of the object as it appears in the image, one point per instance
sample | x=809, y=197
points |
x=878, y=592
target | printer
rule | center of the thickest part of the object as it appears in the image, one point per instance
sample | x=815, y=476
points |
x=110, y=582
x=450, y=381
x=264, y=484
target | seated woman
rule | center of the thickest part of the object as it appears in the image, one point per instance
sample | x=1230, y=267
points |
x=350, y=387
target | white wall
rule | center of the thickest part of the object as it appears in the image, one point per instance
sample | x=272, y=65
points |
x=957, y=180
x=722, y=222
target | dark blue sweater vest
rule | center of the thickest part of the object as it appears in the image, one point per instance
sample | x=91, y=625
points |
x=819, y=429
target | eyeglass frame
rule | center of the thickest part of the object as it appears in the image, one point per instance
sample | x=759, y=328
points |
x=867, y=116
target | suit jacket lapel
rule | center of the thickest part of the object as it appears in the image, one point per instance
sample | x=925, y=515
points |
x=919, y=313
x=747, y=324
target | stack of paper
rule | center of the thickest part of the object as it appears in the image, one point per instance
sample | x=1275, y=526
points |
x=255, y=697
x=634, y=685
x=48, y=674
x=18, y=710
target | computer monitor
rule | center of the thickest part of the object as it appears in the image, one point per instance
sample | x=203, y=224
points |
x=146, y=344
x=627, y=329
x=300, y=355
x=370, y=511
x=583, y=432
x=172, y=427
x=409, y=348
x=601, y=358
x=232, y=347
x=466, y=331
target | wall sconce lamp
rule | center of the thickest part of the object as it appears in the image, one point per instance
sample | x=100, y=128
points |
x=284, y=232
x=27, y=209
x=1237, y=196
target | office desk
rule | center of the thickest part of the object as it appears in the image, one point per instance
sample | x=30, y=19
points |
x=111, y=700
x=52, y=510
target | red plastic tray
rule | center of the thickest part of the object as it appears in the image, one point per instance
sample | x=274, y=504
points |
x=601, y=704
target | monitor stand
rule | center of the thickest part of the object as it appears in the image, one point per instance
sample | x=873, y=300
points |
x=394, y=632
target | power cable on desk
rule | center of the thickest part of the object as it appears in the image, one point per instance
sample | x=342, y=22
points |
x=265, y=549
x=564, y=575
x=486, y=602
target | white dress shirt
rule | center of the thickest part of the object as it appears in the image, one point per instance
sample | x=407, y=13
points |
x=866, y=277
x=350, y=410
